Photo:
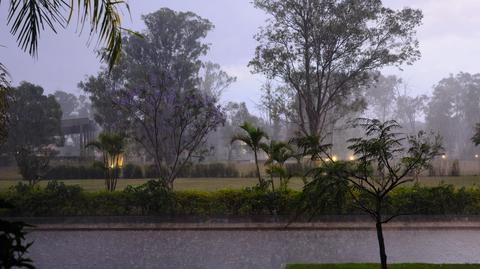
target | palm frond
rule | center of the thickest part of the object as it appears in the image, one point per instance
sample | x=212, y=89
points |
x=4, y=82
x=28, y=18
x=104, y=20
x=94, y=144
x=242, y=138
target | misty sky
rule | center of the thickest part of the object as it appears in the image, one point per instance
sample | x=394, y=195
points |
x=449, y=40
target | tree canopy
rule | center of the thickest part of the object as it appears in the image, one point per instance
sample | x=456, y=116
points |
x=165, y=90
x=324, y=50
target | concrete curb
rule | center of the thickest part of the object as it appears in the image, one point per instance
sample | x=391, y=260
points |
x=252, y=226
x=225, y=224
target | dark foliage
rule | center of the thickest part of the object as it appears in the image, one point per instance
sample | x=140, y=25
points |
x=153, y=199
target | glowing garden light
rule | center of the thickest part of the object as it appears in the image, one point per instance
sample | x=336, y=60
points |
x=115, y=161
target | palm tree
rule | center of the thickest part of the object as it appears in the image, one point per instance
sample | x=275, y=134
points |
x=112, y=147
x=278, y=153
x=253, y=139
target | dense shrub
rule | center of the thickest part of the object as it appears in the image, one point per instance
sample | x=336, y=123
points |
x=152, y=198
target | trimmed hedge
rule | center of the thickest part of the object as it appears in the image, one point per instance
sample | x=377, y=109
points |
x=95, y=171
x=212, y=170
x=150, y=199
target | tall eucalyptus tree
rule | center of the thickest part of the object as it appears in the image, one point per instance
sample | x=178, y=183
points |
x=325, y=50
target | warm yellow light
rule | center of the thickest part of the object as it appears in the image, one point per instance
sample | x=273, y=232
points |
x=115, y=161
x=334, y=158
x=444, y=156
x=120, y=161
x=351, y=158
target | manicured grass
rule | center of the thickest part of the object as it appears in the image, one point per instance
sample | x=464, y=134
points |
x=213, y=184
x=201, y=184
x=377, y=266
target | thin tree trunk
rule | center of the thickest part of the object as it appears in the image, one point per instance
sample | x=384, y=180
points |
x=260, y=181
x=381, y=244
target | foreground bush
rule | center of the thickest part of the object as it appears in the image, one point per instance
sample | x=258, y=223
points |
x=58, y=199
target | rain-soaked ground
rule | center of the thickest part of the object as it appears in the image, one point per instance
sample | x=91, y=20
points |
x=242, y=249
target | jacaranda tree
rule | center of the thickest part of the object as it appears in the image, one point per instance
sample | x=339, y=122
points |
x=162, y=92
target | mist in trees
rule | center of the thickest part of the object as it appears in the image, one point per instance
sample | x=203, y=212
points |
x=73, y=106
x=388, y=98
x=453, y=112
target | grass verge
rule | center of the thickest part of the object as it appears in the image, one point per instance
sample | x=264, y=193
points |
x=377, y=266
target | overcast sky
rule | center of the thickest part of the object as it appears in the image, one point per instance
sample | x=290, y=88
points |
x=449, y=41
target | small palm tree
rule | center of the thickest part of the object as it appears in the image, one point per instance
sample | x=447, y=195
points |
x=253, y=139
x=278, y=153
x=112, y=147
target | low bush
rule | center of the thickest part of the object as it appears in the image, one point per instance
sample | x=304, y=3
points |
x=153, y=199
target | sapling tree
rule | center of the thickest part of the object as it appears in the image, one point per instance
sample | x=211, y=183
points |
x=385, y=160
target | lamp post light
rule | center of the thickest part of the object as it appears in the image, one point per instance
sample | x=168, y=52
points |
x=443, y=165
x=478, y=164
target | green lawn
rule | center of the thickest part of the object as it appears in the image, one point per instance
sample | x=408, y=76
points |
x=202, y=184
x=377, y=266
x=213, y=184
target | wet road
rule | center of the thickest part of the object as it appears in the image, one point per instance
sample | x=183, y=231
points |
x=242, y=249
